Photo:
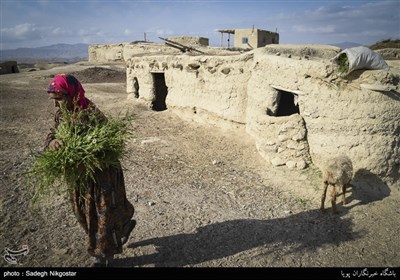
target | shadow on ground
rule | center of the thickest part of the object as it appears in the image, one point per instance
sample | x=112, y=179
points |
x=366, y=187
x=301, y=232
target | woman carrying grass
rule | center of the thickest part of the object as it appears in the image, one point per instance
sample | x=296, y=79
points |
x=96, y=190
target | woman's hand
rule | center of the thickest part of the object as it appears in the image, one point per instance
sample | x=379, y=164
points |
x=55, y=144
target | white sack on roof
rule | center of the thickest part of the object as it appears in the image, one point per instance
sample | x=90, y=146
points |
x=363, y=58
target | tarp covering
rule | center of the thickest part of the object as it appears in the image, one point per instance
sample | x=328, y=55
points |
x=362, y=58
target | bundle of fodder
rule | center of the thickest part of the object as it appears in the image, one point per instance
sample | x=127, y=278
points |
x=87, y=145
x=358, y=58
x=342, y=63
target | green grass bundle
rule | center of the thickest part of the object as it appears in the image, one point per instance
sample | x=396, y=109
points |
x=87, y=145
x=342, y=63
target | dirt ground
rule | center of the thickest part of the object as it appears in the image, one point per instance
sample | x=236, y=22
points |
x=203, y=195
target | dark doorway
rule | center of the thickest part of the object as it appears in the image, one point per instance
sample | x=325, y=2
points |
x=161, y=91
x=287, y=104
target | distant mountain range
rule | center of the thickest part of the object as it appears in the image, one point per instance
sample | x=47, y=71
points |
x=346, y=45
x=54, y=53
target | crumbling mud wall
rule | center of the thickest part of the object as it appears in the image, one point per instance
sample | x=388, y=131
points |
x=276, y=104
x=296, y=109
x=362, y=123
x=124, y=51
x=214, y=84
x=120, y=53
x=8, y=67
x=105, y=53
x=190, y=40
x=335, y=116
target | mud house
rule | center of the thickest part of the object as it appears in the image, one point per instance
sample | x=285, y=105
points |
x=249, y=38
x=287, y=98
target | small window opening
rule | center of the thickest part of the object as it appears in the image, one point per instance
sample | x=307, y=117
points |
x=287, y=104
x=245, y=40
x=161, y=91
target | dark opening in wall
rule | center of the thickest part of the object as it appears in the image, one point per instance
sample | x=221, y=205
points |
x=161, y=91
x=135, y=87
x=287, y=104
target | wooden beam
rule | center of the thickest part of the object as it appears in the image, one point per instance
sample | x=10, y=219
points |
x=177, y=45
x=229, y=31
x=298, y=92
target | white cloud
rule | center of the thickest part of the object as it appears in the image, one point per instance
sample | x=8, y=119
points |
x=21, y=32
x=101, y=34
x=374, y=33
x=84, y=32
x=318, y=29
x=92, y=32
x=163, y=32
x=58, y=31
x=361, y=22
x=28, y=32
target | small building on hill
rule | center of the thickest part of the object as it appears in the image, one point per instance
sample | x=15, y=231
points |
x=8, y=67
x=250, y=38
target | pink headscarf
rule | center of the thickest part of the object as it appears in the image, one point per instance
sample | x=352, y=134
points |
x=68, y=84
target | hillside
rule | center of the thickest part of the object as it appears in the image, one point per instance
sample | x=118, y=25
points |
x=346, y=45
x=53, y=53
x=386, y=44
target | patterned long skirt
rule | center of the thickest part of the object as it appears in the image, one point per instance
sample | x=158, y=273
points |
x=102, y=211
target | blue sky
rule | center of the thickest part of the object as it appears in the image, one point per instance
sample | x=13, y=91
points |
x=30, y=23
